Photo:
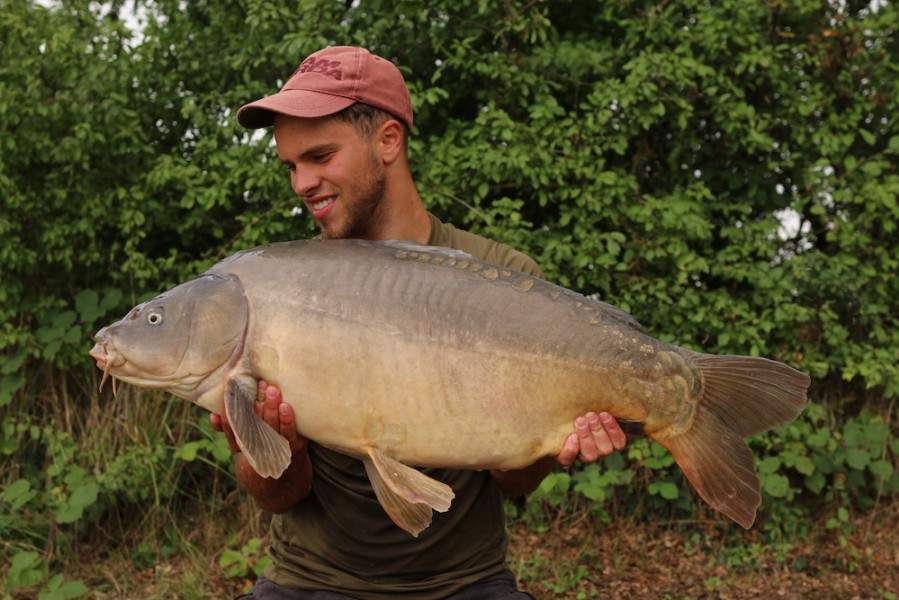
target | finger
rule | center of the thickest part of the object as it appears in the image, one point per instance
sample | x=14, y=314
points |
x=289, y=428
x=616, y=435
x=215, y=421
x=273, y=393
x=271, y=401
x=586, y=437
x=259, y=406
x=601, y=440
x=569, y=452
x=286, y=423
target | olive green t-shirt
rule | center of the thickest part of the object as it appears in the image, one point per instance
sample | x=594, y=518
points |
x=340, y=539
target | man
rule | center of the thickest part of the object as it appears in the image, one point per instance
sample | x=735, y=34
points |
x=341, y=124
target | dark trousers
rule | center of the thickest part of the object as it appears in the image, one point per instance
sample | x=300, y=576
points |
x=501, y=586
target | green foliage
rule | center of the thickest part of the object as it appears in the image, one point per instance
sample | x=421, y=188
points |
x=249, y=560
x=851, y=467
x=27, y=570
x=724, y=171
x=65, y=484
x=59, y=589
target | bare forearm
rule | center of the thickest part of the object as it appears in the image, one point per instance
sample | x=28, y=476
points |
x=277, y=495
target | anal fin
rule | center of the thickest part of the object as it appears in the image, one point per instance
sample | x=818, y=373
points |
x=265, y=448
x=407, y=495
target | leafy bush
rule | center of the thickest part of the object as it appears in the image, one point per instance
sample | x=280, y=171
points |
x=726, y=173
x=851, y=467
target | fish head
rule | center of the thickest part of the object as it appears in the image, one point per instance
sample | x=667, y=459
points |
x=183, y=341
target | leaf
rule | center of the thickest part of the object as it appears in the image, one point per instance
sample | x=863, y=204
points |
x=57, y=590
x=85, y=495
x=804, y=465
x=229, y=557
x=234, y=562
x=262, y=564
x=87, y=304
x=881, y=468
x=857, y=458
x=776, y=486
x=26, y=569
x=665, y=489
x=770, y=464
x=874, y=168
x=893, y=145
x=73, y=508
x=867, y=136
x=188, y=451
x=555, y=482
x=592, y=491
x=816, y=483
x=18, y=494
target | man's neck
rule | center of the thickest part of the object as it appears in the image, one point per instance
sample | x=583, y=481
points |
x=404, y=215
x=409, y=222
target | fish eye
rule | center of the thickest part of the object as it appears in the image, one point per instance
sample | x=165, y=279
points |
x=154, y=318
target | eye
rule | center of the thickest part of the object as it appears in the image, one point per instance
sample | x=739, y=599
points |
x=154, y=318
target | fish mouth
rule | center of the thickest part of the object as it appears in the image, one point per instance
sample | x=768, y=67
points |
x=106, y=360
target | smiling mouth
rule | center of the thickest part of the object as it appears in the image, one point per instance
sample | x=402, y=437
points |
x=321, y=204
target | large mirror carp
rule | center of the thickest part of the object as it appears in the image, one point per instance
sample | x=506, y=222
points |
x=413, y=356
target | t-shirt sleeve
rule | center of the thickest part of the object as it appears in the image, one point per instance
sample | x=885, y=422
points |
x=445, y=234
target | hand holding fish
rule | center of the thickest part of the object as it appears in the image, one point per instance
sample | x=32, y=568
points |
x=273, y=495
x=595, y=436
x=271, y=409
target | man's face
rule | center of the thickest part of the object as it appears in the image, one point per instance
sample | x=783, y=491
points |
x=336, y=172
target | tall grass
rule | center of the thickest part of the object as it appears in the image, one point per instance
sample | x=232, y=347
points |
x=87, y=475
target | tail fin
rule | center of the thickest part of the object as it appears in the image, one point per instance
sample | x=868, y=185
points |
x=742, y=396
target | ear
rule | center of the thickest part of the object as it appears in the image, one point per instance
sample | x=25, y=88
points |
x=390, y=142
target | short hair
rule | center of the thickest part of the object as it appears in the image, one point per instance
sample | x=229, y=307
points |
x=367, y=120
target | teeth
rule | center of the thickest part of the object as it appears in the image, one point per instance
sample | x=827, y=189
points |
x=320, y=205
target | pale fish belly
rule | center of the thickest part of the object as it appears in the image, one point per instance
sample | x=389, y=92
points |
x=430, y=401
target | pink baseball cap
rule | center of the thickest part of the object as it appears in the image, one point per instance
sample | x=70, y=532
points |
x=329, y=81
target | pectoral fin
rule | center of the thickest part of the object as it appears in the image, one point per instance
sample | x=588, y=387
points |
x=265, y=448
x=407, y=495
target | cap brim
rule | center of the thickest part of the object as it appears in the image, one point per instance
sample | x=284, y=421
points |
x=295, y=103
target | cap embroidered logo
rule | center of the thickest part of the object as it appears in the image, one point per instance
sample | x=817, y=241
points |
x=323, y=66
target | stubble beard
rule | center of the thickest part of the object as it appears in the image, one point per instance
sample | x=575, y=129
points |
x=364, y=215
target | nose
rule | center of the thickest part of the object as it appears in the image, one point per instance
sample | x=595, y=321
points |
x=304, y=182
